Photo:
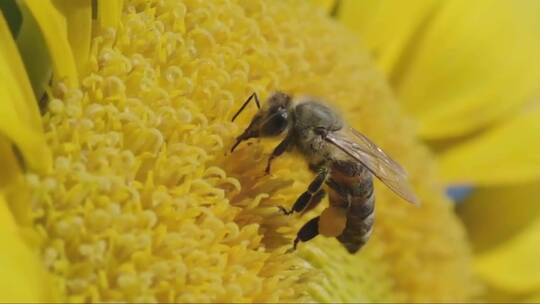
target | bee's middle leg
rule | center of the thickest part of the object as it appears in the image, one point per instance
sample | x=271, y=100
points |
x=312, y=195
x=314, y=201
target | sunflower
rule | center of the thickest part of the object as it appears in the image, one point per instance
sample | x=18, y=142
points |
x=469, y=74
x=121, y=188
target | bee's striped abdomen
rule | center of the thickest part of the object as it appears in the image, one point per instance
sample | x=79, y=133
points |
x=351, y=184
x=359, y=226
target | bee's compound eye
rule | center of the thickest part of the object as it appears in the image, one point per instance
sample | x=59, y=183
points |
x=281, y=119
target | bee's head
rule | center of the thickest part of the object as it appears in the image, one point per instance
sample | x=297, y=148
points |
x=271, y=120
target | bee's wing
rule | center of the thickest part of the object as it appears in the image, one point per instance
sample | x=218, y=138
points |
x=359, y=147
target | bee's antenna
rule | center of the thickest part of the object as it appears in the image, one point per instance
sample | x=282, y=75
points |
x=254, y=95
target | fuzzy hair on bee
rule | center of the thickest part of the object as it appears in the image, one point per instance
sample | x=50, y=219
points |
x=344, y=162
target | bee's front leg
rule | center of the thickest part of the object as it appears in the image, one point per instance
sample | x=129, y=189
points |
x=280, y=149
x=313, y=191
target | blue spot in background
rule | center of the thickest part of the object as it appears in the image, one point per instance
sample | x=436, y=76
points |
x=459, y=193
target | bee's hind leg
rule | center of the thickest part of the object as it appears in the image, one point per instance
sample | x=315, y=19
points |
x=306, y=233
x=312, y=195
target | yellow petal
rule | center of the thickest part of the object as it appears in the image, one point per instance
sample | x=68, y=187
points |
x=514, y=265
x=20, y=120
x=503, y=225
x=506, y=154
x=476, y=62
x=493, y=215
x=78, y=16
x=53, y=27
x=23, y=278
x=109, y=12
x=387, y=27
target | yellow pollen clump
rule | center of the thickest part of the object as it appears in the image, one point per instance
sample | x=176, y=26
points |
x=146, y=204
x=332, y=221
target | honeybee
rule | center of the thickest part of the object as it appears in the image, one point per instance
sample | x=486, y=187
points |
x=343, y=159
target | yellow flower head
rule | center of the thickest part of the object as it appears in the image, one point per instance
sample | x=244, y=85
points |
x=144, y=203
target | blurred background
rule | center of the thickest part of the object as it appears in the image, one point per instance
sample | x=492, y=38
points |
x=468, y=74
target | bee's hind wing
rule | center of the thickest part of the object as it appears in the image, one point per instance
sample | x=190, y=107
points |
x=361, y=148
